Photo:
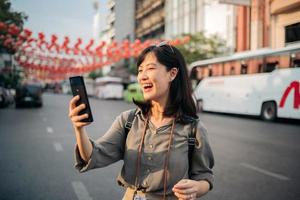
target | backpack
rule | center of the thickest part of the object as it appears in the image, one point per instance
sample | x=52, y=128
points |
x=191, y=136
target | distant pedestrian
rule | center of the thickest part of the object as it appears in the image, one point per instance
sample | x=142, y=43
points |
x=155, y=150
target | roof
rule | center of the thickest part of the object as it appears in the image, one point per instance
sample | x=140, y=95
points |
x=246, y=55
x=108, y=79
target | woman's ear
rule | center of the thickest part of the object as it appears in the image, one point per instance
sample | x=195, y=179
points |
x=173, y=73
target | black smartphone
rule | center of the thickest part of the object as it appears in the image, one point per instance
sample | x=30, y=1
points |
x=78, y=88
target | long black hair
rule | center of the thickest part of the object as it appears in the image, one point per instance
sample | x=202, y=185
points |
x=180, y=101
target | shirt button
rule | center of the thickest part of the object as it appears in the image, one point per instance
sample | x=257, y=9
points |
x=149, y=158
x=151, y=146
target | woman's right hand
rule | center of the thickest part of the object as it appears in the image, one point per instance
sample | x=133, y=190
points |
x=74, y=113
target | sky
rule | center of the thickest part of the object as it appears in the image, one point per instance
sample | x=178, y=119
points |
x=73, y=18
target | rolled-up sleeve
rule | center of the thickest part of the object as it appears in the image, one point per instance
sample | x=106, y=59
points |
x=107, y=149
x=203, y=159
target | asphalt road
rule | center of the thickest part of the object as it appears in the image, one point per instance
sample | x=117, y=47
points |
x=254, y=159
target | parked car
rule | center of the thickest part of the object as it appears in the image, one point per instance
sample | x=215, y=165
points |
x=6, y=97
x=29, y=94
x=133, y=91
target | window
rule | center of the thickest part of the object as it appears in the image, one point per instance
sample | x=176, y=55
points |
x=269, y=67
x=232, y=71
x=292, y=33
x=244, y=68
x=210, y=72
x=296, y=63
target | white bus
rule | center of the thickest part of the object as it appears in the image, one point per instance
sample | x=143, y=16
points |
x=267, y=94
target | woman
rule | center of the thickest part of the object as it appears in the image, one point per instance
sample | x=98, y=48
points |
x=155, y=151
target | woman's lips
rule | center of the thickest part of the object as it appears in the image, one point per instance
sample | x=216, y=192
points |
x=147, y=89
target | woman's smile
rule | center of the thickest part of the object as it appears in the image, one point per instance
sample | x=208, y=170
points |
x=147, y=87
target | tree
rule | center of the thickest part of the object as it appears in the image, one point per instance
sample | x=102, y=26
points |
x=95, y=74
x=202, y=47
x=10, y=77
x=9, y=17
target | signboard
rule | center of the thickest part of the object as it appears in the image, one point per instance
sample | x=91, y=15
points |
x=237, y=2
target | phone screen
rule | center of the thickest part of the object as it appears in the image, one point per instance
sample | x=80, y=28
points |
x=78, y=88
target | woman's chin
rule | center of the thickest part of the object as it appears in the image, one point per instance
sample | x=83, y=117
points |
x=147, y=97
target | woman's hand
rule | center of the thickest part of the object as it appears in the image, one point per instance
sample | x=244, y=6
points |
x=73, y=113
x=190, y=189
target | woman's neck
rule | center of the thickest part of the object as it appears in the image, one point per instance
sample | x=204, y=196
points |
x=157, y=114
x=157, y=111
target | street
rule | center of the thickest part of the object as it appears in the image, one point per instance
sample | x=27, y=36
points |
x=253, y=159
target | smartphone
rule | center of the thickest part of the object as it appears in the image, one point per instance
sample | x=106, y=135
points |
x=78, y=88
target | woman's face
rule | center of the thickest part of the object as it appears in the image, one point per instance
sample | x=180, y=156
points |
x=154, y=78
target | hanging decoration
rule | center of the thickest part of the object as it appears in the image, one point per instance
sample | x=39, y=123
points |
x=55, y=59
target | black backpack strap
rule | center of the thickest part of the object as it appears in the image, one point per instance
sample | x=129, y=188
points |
x=129, y=121
x=128, y=125
x=192, y=142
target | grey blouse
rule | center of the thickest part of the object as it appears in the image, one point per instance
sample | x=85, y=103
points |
x=111, y=148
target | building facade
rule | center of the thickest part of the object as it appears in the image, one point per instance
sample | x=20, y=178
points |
x=268, y=23
x=120, y=24
x=192, y=16
x=149, y=19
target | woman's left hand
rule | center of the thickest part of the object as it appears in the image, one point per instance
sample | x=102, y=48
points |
x=189, y=189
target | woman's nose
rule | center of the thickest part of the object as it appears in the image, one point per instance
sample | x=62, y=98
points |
x=142, y=75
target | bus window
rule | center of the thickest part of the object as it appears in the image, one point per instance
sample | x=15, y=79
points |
x=210, y=72
x=232, y=71
x=244, y=68
x=269, y=67
x=296, y=63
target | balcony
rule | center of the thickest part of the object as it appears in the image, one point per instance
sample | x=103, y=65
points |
x=147, y=7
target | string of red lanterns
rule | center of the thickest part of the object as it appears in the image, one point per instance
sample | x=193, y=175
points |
x=49, y=59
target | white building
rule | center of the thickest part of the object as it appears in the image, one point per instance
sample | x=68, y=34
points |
x=191, y=16
x=120, y=20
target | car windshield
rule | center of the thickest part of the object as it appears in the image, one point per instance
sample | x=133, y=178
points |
x=32, y=88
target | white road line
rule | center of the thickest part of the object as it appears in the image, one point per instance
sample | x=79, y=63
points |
x=274, y=175
x=80, y=191
x=49, y=130
x=57, y=146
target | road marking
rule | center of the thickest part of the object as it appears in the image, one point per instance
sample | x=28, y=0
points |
x=57, y=146
x=275, y=175
x=80, y=191
x=49, y=130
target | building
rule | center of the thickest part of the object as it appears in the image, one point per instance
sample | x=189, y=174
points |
x=268, y=23
x=263, y=27
x=191, y=16
x=120, y=24
x=97, y=22
x=149, y=19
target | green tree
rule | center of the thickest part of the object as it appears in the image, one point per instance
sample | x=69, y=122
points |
x=9, y=16
x=202, y=47
x=95, y=74
x=11, y=77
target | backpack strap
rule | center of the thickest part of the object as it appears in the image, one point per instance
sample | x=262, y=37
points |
x=192, y=142
x=129, y=121
x=128, y=125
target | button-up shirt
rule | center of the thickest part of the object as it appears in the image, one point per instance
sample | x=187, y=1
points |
x=115, y=146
